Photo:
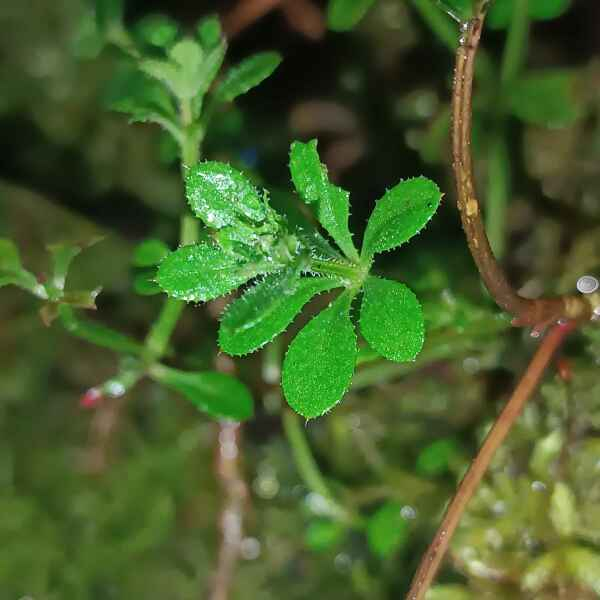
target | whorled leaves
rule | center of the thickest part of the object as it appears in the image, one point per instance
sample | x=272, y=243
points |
x=251, y=239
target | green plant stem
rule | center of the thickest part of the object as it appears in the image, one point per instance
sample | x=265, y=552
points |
x=515, y=49
x=307, y=466
x=498, y=186
x=157, y=340
x=498, y=191
x=352, y=273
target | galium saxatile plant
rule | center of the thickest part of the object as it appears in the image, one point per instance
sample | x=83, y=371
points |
x=288, y=265
x=173, y=81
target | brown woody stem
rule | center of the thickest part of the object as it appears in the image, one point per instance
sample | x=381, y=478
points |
x=231, y=519
x=527, y=312
x=435, y=553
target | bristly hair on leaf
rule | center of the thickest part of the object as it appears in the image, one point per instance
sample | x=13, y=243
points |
x=286, y=265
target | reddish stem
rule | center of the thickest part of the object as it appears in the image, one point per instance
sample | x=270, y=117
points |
x=233, y=507
x=435, y=553
x=527, y=312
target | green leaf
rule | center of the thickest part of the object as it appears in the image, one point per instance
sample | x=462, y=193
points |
x=400, y=214
x=544, y=10
x=145, y=100
x=435, y=459
x=450, y=592
x=541, y=571
x=97, y=333
x=23, y=279
x=189, y=72
x=220, y=195
x=219, y=395
x=391, y=319
x=458, y=9
x=81, y=298
x=583, y=564
x=188, y=54
x=546, y=98
x=210, y=67
x=563, y=510
x=145, y=284
x=324, y=534
x=387, y=530
x=149, y=253
x=202, y=272
x=320, y=361
x=343, y=15
x=333, y=207
x=209, y=32
x=61, y=255
x=266, y=310
x=501, y=11
x=109, y=14
x=252, y=71
x=13, y=273
x=10, y=259
x=156, y=30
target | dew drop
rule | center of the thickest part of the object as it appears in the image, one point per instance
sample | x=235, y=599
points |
x=250, y=548
x=587, y=284
x=538, y=486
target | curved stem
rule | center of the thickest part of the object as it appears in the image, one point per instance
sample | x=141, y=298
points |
x=526, y=311
x=307, y=466
x=435, y=553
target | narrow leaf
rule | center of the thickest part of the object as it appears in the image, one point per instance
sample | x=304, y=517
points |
x=145, y=284
x=202, y=272
x=97, y=333
x=450, y=592
x=266, y=310
x=343, y=15
x=81, y=298
x=23, y=279
x=189, y=59
x=563, y=510
x=391, y=319
x=501, y=11
x=400, y=214
x=12, y=271
x=10, y=259
x=246, y=75
x=149, y=253
x=324, y=534
x=62, y=256
x=219, y=395
x=220, y=195
x=156, y=30
x=109, y=14
x=333, y=207
x=544, y=10
x=209, y=32
x=547, y=98
x=387, y=530
x=210, y=67
x=188, y=54
x=319, y=363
